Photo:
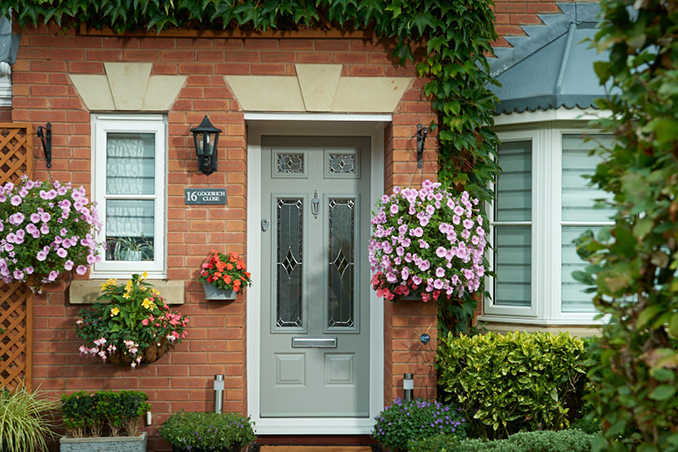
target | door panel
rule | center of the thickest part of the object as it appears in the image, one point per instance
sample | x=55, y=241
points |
x=315, y=286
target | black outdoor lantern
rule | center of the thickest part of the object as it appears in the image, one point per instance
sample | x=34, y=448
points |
x=206, y=137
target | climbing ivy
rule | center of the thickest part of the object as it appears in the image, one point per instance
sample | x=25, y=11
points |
x=455, y=37
x=633, y=264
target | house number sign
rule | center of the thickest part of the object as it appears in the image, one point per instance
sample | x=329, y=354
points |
x=205, y=195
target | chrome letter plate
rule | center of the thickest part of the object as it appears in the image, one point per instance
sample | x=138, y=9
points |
x=314, y=342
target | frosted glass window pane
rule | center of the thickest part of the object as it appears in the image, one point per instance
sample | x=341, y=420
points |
x=513, y=266
x=130, y=227
x=572, y=292
x=513, y=188
x=578, y=198
x=130, y=164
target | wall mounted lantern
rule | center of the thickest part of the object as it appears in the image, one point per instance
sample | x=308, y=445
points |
x=206, y=137
x=421, y=140
x=45, y=135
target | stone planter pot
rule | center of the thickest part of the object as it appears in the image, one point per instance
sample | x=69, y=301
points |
x=212, y=293
x=104, y=444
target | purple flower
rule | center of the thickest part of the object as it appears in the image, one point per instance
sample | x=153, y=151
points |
x=68, y=265
x=35, y=217
x=62, y=253
x=81, y=270
x=440, y=251
x=41, y=256
x=16, y=200
x=16, y=219
x=417, y=232
x=45, y=217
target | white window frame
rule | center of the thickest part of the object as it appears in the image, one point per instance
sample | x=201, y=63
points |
x=102, y=124
x=547, y=224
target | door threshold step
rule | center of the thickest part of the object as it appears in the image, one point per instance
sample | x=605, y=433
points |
x=316, y=448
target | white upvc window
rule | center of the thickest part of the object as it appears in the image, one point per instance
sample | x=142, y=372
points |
x=128, y=158
x=542, y=203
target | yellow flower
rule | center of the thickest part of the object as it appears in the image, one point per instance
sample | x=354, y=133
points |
x=110, y=282
x=147, y=303
x=115, y=311
x=144, y=275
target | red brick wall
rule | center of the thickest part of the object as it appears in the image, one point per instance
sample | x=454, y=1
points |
x=511, y=14
x=216, y=343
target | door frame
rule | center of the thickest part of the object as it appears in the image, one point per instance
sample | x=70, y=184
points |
x=260, y=124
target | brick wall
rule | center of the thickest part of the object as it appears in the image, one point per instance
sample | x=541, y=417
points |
x=182, y=379
x=511, y=14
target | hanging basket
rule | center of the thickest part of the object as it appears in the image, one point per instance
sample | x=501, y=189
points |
x=213, y=293
x=153, y=353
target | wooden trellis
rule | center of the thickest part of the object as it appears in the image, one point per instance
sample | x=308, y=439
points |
x=16, y=300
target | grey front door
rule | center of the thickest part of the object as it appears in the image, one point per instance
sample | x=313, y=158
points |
x=315, y=284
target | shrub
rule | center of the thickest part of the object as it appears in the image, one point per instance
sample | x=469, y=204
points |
x=208, y=432
x=539, y=441
x=25, y=418
x=87, y=415
x=403, y=422
x=513, y=382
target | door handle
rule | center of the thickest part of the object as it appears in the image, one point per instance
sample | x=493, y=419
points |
x=314, y=342
x=315, y=204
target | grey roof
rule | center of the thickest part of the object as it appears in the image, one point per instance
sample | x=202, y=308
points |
x=552, y=67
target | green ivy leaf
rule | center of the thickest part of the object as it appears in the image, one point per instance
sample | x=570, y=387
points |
x=662, y=392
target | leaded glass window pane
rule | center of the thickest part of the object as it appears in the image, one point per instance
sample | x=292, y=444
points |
x=289, y=263
x=341, y=290
x=342, y=164
x=290, y=163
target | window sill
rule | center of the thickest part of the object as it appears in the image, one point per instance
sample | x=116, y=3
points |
x=84, y=291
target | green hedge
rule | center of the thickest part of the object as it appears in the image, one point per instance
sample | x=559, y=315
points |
x=513, y=382
x=539, y=441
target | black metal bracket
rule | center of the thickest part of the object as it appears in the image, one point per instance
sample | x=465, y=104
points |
x=421, y=139
x=45, y=135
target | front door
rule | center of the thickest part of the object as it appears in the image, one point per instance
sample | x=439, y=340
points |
x=315, y=350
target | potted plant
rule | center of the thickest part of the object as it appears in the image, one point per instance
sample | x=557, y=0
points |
x=133, y=249
x=46, y=229
x=134, y=326
x=404, y=422
x=427, y=243
x=25, y=420
x=223, y=276
x=208, y=432
x=104, y=421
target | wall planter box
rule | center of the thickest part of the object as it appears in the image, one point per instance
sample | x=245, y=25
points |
x=212, y=293
x=104, y=444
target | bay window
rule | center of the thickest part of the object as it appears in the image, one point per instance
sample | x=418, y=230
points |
x=542, y=203
x=128, y=154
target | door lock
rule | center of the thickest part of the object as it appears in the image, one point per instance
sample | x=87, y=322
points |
x=264, y=225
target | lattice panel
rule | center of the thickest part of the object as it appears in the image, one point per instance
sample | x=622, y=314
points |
x=15, y=342
x=16, y=300
x=16, y=151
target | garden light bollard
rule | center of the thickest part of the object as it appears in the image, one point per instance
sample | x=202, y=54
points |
x=218, y=393
x=408, y=387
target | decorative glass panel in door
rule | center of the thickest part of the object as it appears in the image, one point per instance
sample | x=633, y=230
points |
x=315, y=287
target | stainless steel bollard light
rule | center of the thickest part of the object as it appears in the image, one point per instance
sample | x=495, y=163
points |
x=218, y=393
x=408, y=387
